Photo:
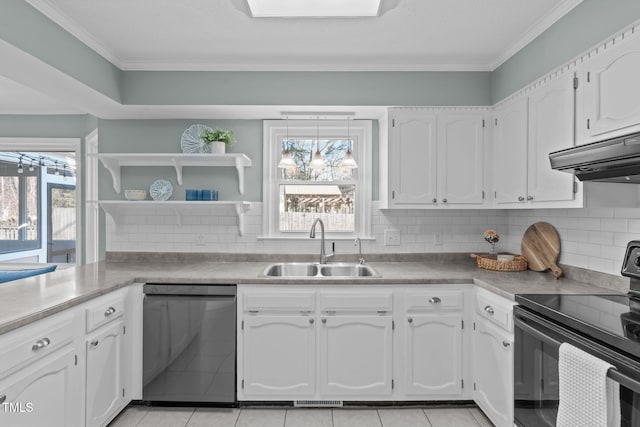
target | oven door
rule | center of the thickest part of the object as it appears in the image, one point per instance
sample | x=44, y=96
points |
x=536, y=388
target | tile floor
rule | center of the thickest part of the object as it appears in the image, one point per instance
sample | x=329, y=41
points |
x=140, y=416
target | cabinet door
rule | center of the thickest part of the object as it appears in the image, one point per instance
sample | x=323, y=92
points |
x=278, y=356
x=355, y=356
x=412, y=158
x=493, y=372
x=611, y=88
x=47, y=393
x=551, y=128
x=105, y=390
x=510, y=153
x=433, y=353
x=460, y=159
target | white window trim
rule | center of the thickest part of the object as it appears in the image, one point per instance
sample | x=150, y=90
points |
x=276, y=130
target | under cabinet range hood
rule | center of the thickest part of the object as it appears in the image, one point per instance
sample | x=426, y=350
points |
x=611, y=160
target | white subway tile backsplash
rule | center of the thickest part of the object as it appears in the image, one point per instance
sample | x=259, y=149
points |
x=592, y=238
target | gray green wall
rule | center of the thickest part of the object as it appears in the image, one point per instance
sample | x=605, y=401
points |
x=585, y=26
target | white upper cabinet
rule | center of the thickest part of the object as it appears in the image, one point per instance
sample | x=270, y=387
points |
x=527, y=129
x=412, y=158
x=510, y=152
x=460, y=158
x=436, y=158
x=611, y=88
x=551, y=128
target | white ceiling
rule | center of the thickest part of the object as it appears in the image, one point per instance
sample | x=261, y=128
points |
x=221, y=35
x=410, y=35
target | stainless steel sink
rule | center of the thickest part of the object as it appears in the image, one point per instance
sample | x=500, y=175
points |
x=347, y=270
x=292, y=269
x=302, y=269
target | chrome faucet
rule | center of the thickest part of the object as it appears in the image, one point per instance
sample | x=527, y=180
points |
x=312, y=234
x=358, y=242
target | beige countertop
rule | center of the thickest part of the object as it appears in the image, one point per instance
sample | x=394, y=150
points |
x=24, y=301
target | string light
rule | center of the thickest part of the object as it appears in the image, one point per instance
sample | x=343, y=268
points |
x=57, y=171
x=20, y=167
x=31, y=169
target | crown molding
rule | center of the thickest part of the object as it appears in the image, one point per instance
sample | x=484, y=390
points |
x=534, y=31
x=76, y=30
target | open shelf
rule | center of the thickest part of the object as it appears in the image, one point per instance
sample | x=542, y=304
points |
x=116, y=208
x=114, y=161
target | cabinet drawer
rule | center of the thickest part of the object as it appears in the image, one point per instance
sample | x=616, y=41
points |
x=356, y=301
x=30, y=343
x=435, y=299
x=495, y=308
x=279, y=301
x=104, y=310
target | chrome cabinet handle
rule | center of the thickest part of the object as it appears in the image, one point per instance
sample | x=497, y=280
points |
x=410, y=320
x=324, y=320
x=382, y=312
x=521, y=199
x=489, y=310
x=506, y=344
x=529, y=198
x=94, y=343
x=109, y=311
x=3, y=398
x=40, y=344
x=311, y=321
x=435, y=200
x=444, y=200
x=435, y=300
x=254, y=311
x=305, y=312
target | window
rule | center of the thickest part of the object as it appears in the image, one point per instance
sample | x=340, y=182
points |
x=294, y=197
x=20, y=225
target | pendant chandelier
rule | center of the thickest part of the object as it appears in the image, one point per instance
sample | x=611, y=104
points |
x=348, y=162
x=287, y=161
x=317, y=164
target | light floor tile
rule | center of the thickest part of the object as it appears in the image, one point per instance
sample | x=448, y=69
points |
x=214, y=417
x=356, y=418
x=261, y=418
x=309, y=418
x=166, y=417
x=130, y=417
x=403, y=418
x=451, y=417
x=480, y=417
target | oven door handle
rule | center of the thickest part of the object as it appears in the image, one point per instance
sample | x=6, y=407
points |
x=613, y=373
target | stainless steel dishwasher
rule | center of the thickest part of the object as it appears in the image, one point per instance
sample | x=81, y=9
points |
x=189, y=344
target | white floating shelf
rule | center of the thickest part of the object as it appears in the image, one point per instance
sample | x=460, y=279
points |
x=115, y=208
x=114, y=161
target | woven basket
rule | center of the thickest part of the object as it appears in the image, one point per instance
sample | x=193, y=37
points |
x=519, y=263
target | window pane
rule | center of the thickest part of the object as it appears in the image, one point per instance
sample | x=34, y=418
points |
x=332, y=151
x=301, y=204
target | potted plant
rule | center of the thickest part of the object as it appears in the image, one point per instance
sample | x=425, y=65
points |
x=218, y=139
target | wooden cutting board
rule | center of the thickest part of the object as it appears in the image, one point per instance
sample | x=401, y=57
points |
x=541, y=247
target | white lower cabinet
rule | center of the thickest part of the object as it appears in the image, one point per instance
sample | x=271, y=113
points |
x=105, y=380
x=433, y=353
x=352, y=343
x=279, y=355
x=355, y=359
x=493, y=357
x=493, y=370
x=46, y=393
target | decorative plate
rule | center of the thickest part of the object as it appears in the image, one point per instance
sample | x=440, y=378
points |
x=191, y=142
x=161, y=190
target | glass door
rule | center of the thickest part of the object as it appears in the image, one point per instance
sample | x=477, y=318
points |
x=61, y=218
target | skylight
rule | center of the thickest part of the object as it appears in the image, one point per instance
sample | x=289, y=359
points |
x=313, y=8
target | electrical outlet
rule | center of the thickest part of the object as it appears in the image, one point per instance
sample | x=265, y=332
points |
x=437, y=238
x=200, y=239
x=392, y=237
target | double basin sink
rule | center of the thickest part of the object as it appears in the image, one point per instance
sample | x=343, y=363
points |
x=304, y=269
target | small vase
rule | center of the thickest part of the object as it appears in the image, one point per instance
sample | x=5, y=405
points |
x=218, y=147
x=493, y=250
